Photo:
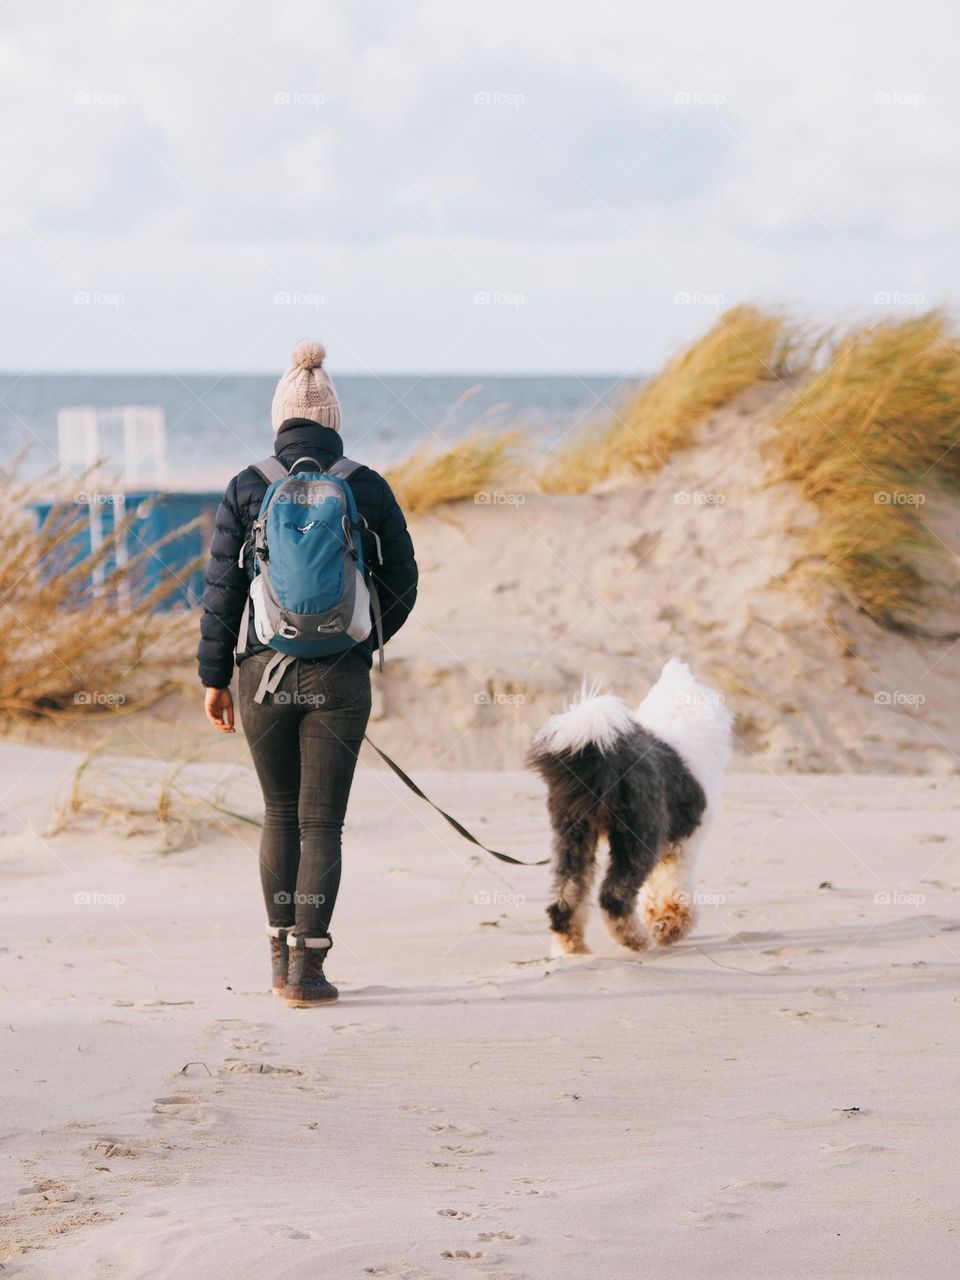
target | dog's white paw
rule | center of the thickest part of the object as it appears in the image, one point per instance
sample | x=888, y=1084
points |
x=668, y=919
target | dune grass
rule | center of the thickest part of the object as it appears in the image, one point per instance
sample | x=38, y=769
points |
x=866, y=439
x=165, y=801
x=475, y=466
x=745, y=346
x=69, y=649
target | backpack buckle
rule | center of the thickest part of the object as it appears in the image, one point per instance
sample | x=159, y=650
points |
x=287, y=630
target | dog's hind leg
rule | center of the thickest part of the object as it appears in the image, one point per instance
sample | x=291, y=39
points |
x=668, y=900
x=574, y=866
x=632, y=855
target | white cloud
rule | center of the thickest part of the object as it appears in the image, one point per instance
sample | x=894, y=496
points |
x=596, y=159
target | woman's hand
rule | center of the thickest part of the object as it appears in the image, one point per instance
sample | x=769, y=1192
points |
x=218, y=704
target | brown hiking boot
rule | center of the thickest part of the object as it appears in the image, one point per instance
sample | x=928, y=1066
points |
x=306, y=985
x=278, y=956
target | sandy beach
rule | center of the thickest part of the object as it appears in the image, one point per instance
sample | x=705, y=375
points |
x=764, y=1099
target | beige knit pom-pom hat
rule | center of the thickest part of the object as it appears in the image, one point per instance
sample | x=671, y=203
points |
x=306, y=389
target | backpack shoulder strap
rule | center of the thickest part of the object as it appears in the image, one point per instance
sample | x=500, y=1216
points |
x=269, y=469
x=344, y=468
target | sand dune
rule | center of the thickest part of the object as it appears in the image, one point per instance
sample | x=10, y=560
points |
x=765, y=1099
x=708, y=560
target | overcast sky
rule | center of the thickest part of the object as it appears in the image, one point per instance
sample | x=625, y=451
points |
x=456, y=185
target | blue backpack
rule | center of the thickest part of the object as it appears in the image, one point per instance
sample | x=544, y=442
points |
x=311, y=595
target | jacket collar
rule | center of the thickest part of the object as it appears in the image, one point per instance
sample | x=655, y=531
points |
x=299, y=438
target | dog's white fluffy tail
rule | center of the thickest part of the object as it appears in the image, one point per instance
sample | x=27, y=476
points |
x=592, y=718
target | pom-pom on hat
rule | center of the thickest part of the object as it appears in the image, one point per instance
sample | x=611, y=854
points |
x=306, y=389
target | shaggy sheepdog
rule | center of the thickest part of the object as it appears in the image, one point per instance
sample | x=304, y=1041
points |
x=649, y=780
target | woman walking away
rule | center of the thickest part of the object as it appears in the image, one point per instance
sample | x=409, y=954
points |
x=303, y=586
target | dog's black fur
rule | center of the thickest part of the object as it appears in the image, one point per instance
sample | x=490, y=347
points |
x=639, y=793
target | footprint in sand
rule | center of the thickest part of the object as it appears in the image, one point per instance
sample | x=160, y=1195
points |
x=531, y=1187
x=290, y=1233
x=394, y=1269
x=509, y=1237
x=244, y=1067
x=465, y=1132
x=461, y=1215
x=243, y=1045
x=419, y=1111
x=358, y=1028
x=110, y=1149
x=464, y=1255
x=713, y=1218
x=181, y=1106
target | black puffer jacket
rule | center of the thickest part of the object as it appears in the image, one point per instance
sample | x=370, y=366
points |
x=226, y=585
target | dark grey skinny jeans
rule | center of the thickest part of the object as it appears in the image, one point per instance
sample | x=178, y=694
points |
x=304, y=740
